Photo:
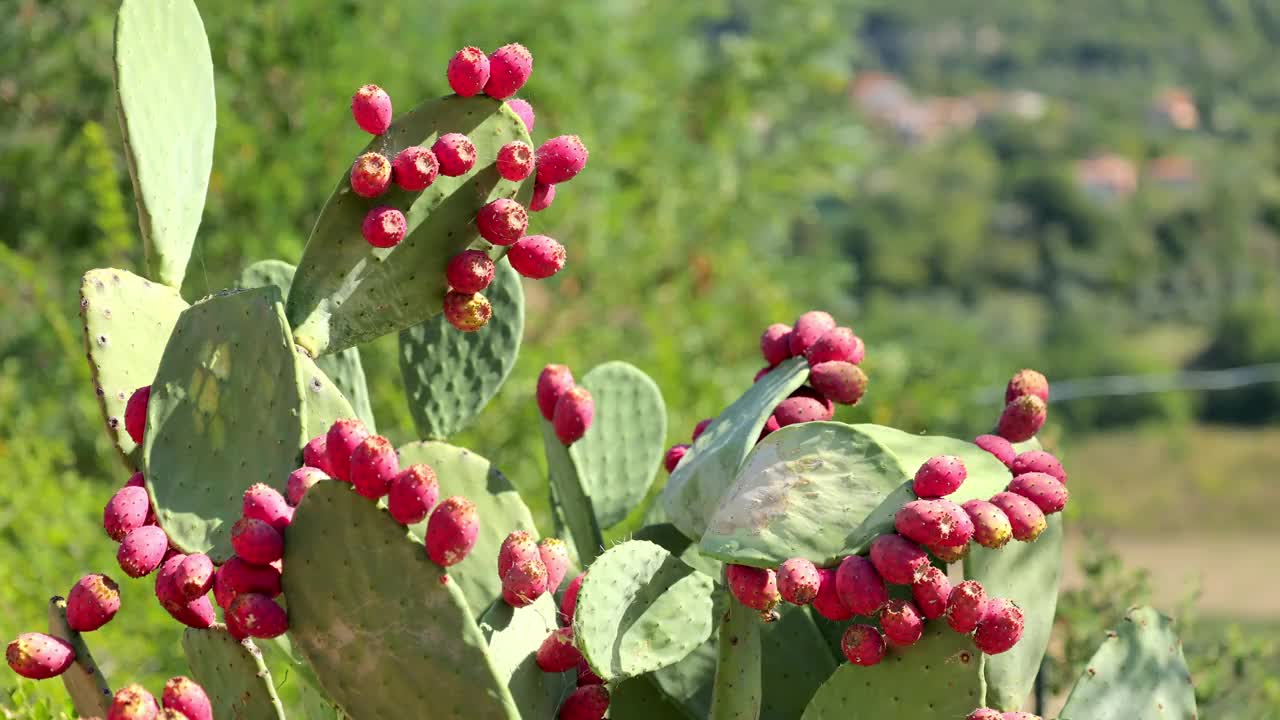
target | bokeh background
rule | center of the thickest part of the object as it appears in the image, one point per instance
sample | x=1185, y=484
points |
x=1089, y=188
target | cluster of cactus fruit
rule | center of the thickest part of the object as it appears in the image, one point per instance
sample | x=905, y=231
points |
x=257, y=474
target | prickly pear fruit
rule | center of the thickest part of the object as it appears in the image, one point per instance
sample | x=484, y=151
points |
x=798, y=581
x=574, y=412
x=543, y=196
x=135, y=413
x=515, y=161
x=827, y=602
x=126, y=511
x=300, y=481
x=142, y=550
x=92, y=602
x=700, y=428
x=991, y=528
x=558, y=653
x=999, y=447
x=770, y=425
x=1020, y=716
x=983, y=714
x=525, y=582
x=1038, y=461
x=238, y=576
x=963, y=531
x=965, y=606
x=197, y=613
x=587, y=676
x=939, y=476
x=467, y=312
x=930, y=590
x=1022, y=419
x=1026, y=519
x=932, y=522
x=136, y=480
x=373, y=464
x=455, y=153
x=185, y=695
x=133, y=702
x=800, y=409
x=502, y=222
x=518, y=547
x=589, y=702
x=842, y=382
x=808, y=329
x=860, y=587
x=38, y=656
x=560, y=159
x=862, y=645
x=343, y=437
x=256, y=541
x=415, y=168
x=524, y=111
x=370, y=175
x=414, y=491
x=384, y=227
x=509, y=69
x=775, y=343
x=371, y=107
x=451, y=531
x=259, y=615
x=166, y=590
x=265, y=503
x=315, y=454
x=949, y=555
x=468, y=71
x=1000, y=627
x=757, y=588
x=838, y=344
x=1043, y=489
x=555, y=556
x=1027, y=382
x=673, y=457
x=901, y=622
x=193, y=577
x=569, y=602
x=897, y=559
x=537, y=256
x=470, y=271
x=553, y=381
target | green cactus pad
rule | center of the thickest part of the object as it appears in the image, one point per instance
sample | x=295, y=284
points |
x=322, y=400
x=514, y=636
x=382, y=626
x=293, y=670
x=346, y=371
x=620, y=453
x=737, y=691
x=639, y=699
x=226, y=412
x=639, y=609
x=688, y=683
x=1138, y=673
x=84, y=680
x=347, y=292
x=126, y=321
x=500, y=507
x=938, y=677
x=449, y=376
x=693, y=491
x=797, y=661
x=823, y=490
x=572, y=505
x=267, y=272
x=164, y=93
x=232, y=673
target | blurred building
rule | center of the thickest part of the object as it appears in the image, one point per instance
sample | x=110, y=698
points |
x=1174, y=108
x=1172, y=172
x=1106, y=177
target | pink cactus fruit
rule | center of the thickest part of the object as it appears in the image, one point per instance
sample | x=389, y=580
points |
x=142, y=550
x=135, y=413
x=901, y=622
x=863, y=645
x=509, y=69
x=798, y=581
x=184, y=695
x=502, y=222
x=126, y=511
x=809, y=328
x=1022, y=419
x=555, y=556
x=799, y=409
x=930, y=589
x=133, y=702
x=842, y=382
x=999, y=447
x=468, y=71
x=197, y=613
x=569, y=602
x=256, y=541
x=370, y=175
x=92, y=602
x=1043, y=489
x=587, y=676
x=343, y=437
x=963, y=528
x=965, y=606
x=371, y=107
x=166, y=590
x=557, y=653
x=136, y=480
x=897, y=559
x=589, y=702
x=414, y=491
x=415, y=168
x=700, y=428
x=806, y=391
x=537, y=256
x=300, y=481
x=236, y=576
x=543, y=196
x=455, y=154
x=193, y=578
x=38, y=656
x=756, y=588
x=1038, y=461
x=761, y=373
x=1020, y=716
x=1000, y=627
x=771, y=425
x=827, y=602
x=860, y=587
x=525, y=582
x=315, y=454
x=222, y=592
x=939, y=476
x=517, y=547
x=574, y=412
x=933, y=522
x=1027, y=382
x=1025, y=517
x=775, y=343
x=983, y=714
x=991, y=528
x=673, y=457
x=452, y=531
x=259, y=615
x=384, y=227
x=837, y=344
x=524, y=111
x=553, y=381
x=560, y=159
x=515, y=161
x=467, y=312
x=265, y=503
x=373, y=465
x=948, y=555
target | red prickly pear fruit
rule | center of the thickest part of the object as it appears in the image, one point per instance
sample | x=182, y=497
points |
x=963, y=529
x=939, y=476
x=415, y=168
x=1027, y=382
x=452, y=531
x=557, y=653
x=502, y=222
x=515, y=161
x=991, y=528
x=193, y=577
x=256, y=541
x=860, y=587
x=798, y=581
x=524, y=111
x=927, y=522
x=589, y=702
x=1022, y=419
x=468, y=71
x=315, y=454
x=574, y=412
x=569, y=603
x=537, y=256
x=1038, y=461
x=135, y=413
x=126, y=511
x=370, y=175
x=259, y=615
x=509, y=69
x=142, y=550
x=808, y=329
x=455, y=154
x=1000, y=627
x=965, y=606
x=775, y=343
x=1020, y=716
x=700, y=428
x=796, y=410
x=92, y=602
x=984, y=714
x=136, y=480
x=371, y=107
x=771, y=425
x=470, y=271
x=373, y=464
x=517, y=547
x=198, y=613
x=756, y=588
x=828, y=407
x=897, y=559
x=837, y=344
x=265, y=503
x=467, y=312
x=862, y=645
x=543, y=196
x=553, y=381
x=414, y=491
x=673, y=457
x=384, y=227
x=223, y=595
x=555, y=557
x=133, y=702
x=930, y=590
x=587, y=676
x=560, y=159
x=1025, y=517
x=184, y=695
x=525, y=582
x=1043, y=489
x=999, y=447
x=842, y=382
x=237, y=576
x=300, y=481
x=38, y=656
x=949, y=555
x=901, y=622
x=166, y=590
x=827, y=602
x=343, y=437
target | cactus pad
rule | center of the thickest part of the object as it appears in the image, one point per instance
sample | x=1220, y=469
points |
x=797, y=660
x=225, y=412
x=164, y=93
x=514, y=635
x=639, y=699
x=321, y=399
x=736, y=693
x=232, y=673
x=571, y=504
x=449, y=376
x=84, y=680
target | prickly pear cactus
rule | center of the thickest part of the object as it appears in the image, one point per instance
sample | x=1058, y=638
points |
x=84, y=680
x=232, y=673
